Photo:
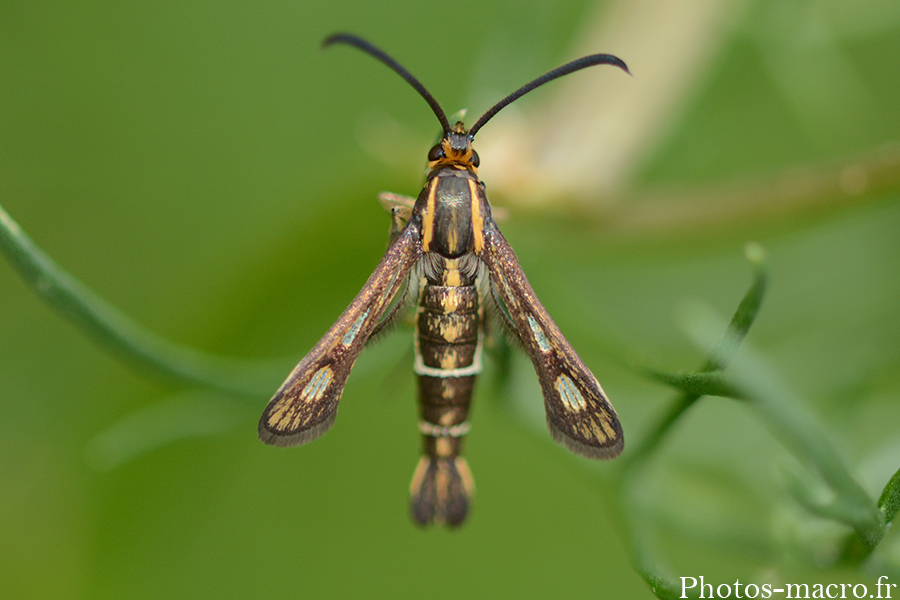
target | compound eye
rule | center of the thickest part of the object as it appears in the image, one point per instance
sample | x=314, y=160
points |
x=436, y=153
x=475, y=160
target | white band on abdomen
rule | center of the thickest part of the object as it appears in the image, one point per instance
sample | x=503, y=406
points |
x=453, y=431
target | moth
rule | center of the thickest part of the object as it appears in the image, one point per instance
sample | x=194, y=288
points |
x=448, y=257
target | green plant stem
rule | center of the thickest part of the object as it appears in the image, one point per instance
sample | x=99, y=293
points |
x=800, y=432
x=696, y=384
x=796, y=428
x=652, y=571
x=702, y=382
x=804, y=437
x=645, y=556
x=706, y=381
x=123, y=336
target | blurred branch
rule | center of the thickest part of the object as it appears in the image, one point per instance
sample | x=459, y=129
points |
x=628, y=114
x=123, y=336
x=799, y=191
x=812, y=189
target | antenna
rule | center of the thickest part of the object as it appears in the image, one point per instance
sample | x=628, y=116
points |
x=370, y=49
x=575, y=65
x=571, y=67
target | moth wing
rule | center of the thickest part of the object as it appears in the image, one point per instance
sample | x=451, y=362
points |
x=400, y=207
x=305, y=405
x=578, y=413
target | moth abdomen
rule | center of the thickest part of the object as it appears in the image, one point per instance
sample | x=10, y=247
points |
x=448, y=358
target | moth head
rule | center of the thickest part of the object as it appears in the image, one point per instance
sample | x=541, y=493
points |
x=454, y=148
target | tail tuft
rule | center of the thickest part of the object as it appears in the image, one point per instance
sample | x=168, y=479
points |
x=440, y=491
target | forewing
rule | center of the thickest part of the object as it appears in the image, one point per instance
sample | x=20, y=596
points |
x=305, y=405
x=578, y=412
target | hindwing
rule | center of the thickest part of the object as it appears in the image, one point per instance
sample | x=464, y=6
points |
x=305, y=405
x=578, y=412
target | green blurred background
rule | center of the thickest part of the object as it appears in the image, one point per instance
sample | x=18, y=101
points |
x=205, y=168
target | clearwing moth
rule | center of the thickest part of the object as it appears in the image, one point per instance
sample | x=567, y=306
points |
x=449, y=257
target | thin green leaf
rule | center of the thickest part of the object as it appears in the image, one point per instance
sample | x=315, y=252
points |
x=187, y=415
x=801, y=434
x=694, y=385
x=122, y=335
x=889, y=502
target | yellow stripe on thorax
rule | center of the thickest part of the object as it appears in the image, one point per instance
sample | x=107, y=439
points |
x=428, y=216
x=477, y=217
